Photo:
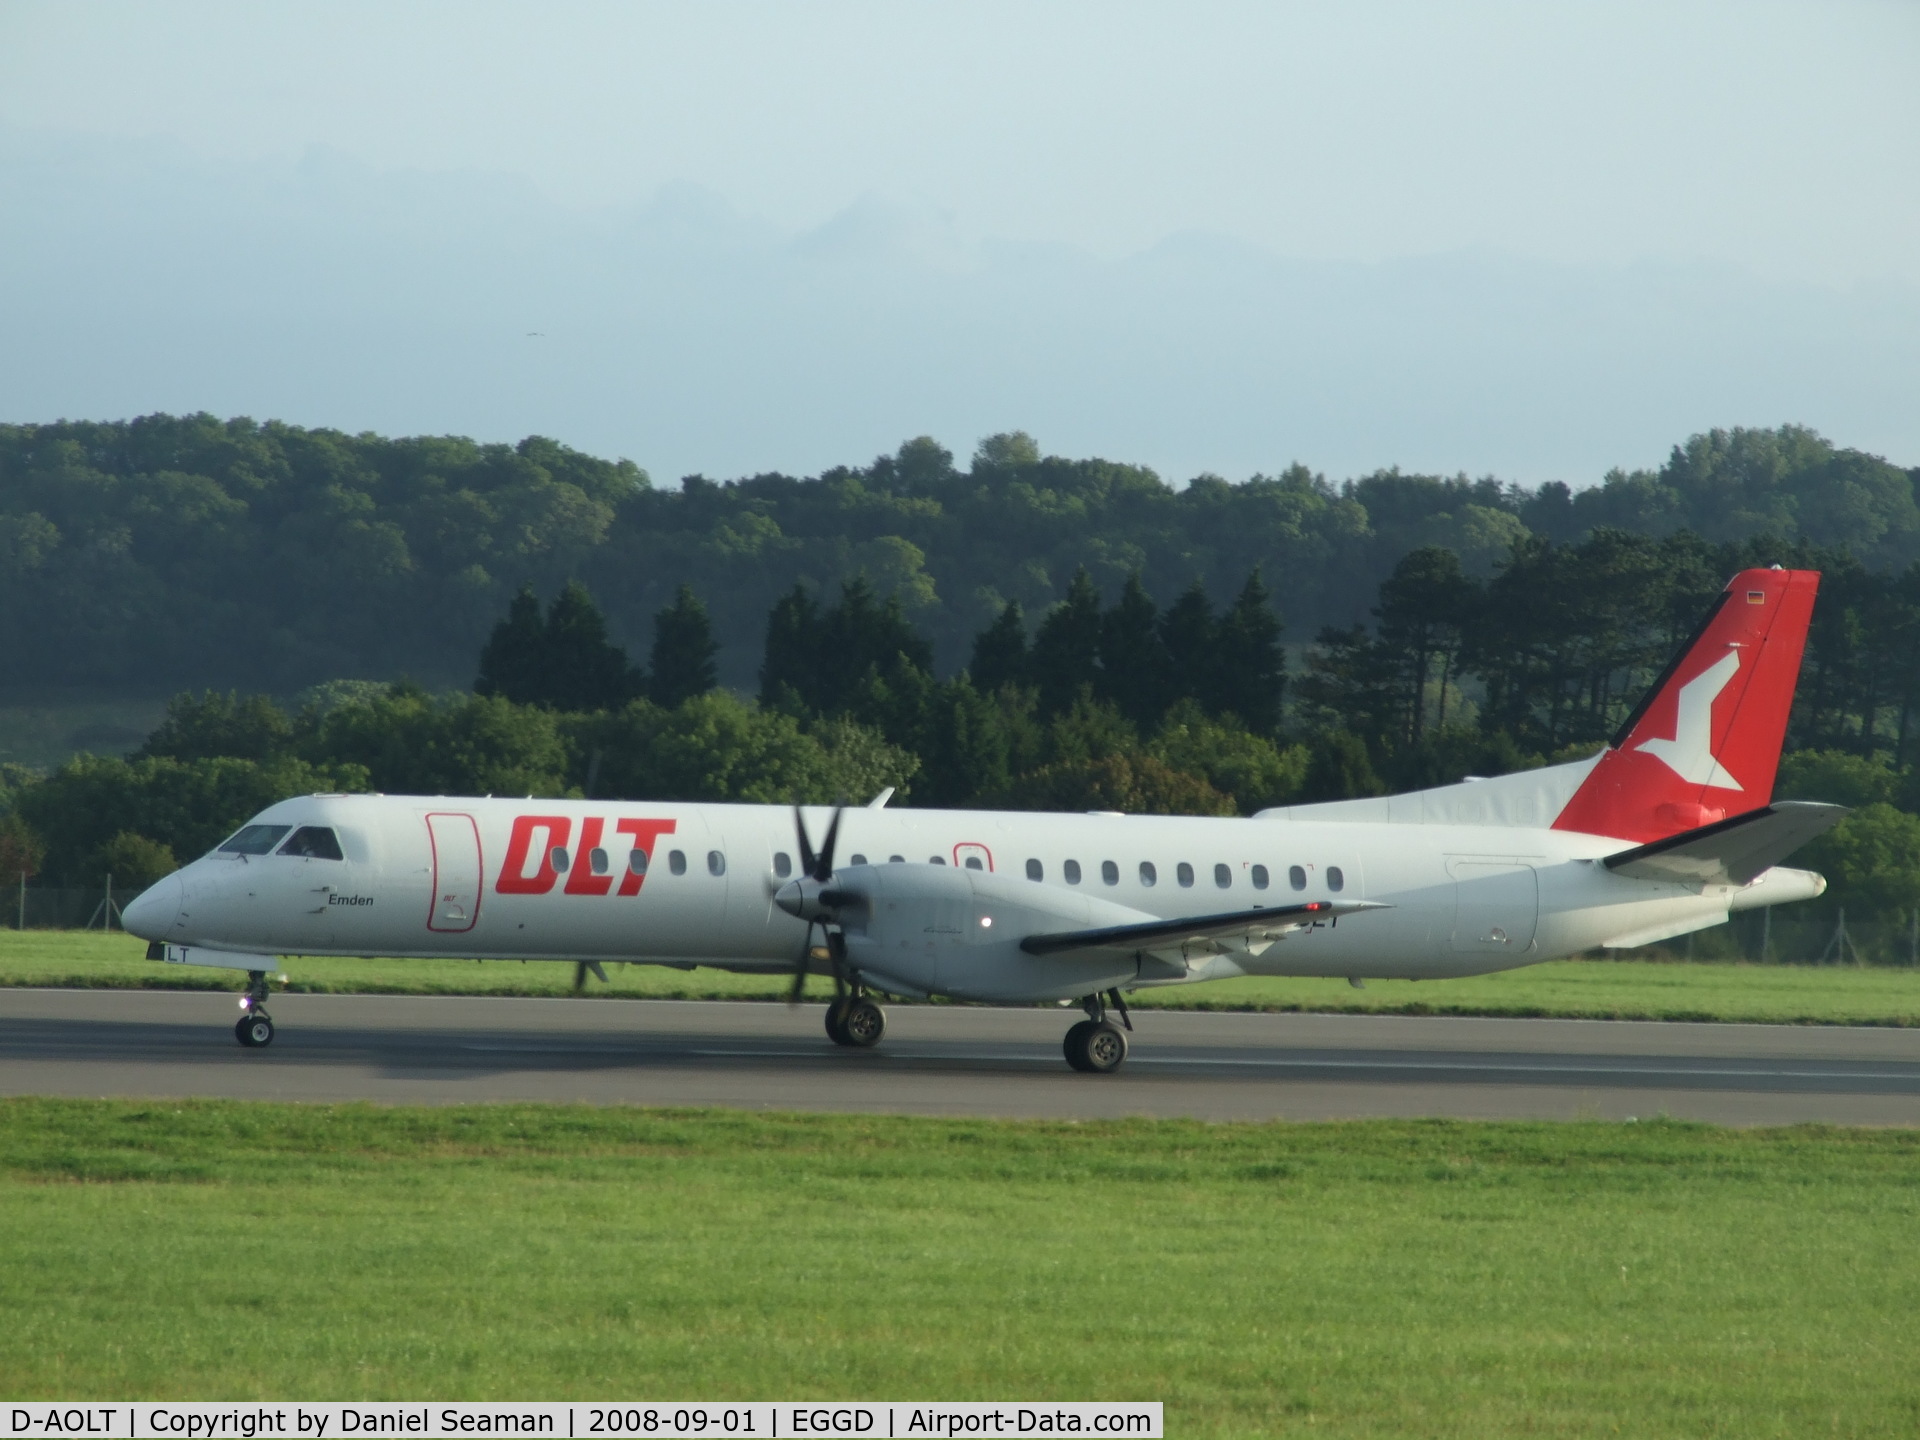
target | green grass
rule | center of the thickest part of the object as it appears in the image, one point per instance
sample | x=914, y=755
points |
x=1580, y=989
x=1368, y=1278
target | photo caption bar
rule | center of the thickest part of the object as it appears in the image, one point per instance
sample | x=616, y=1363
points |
x=765, y=1420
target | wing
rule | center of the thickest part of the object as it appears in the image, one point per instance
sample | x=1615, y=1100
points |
x=1729, y=852
x=1250, y=930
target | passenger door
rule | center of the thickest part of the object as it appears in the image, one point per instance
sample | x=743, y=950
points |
x=453, y=841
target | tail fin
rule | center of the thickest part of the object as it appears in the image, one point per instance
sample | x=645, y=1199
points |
x=1705, y=742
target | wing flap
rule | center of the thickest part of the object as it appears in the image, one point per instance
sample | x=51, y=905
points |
x=1731, y=851
x=1239, y=929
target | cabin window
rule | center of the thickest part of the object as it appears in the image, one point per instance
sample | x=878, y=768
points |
x=1335, y=880
x=1259, y=877
x=857, y=858
x=936, y=859
x=559, y=859
x=782, y=864
x=716, y=863
x=637, y=861
x=1148, y=875
x=255, y=839
x=1109, y=872
x=1222, y=876
x=597, y=861
x=315, y=842
x=1071, y=870
x=1035, y=870
x=1296, y=877
x=973, y=863
x=677, y=861
x=896, y=859
x=1183, y=872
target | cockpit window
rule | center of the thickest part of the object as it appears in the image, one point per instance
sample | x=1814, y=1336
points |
x=255, y=839
x=315, y=842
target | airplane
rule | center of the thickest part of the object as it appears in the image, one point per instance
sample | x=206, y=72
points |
x=1668, y=830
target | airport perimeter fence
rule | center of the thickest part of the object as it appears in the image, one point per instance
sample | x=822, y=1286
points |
x=61, y=907
x=1755, y=936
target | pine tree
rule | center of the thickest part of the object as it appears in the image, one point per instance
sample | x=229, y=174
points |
x=583, y=669
x=1134, y=668
x=1426, y=607
x=790, y=664
x=511, y=663
x=1066, y=651
x=683, y=652
x=1189, y=637
x=859, y=634
x=1000, y=655
x=1251, y=670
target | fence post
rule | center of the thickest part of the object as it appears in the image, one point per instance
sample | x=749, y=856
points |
x=1766, y=934
x=23, y=901
x=1913, y=939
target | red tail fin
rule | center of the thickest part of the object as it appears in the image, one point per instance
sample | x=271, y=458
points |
x=1705, y=742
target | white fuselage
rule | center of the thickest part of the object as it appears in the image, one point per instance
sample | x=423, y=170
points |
x=556, y=880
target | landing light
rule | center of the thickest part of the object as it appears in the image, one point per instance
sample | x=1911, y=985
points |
x=986, y=920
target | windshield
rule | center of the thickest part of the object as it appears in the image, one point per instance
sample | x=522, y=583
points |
x=255, y=839
x=316, y=842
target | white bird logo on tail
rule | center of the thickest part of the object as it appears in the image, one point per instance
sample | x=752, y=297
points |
x=1690, y=753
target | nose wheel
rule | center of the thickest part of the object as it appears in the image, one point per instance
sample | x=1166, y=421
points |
x=255, y=1027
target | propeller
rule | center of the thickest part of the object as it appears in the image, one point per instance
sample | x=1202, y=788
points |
x=808, y=899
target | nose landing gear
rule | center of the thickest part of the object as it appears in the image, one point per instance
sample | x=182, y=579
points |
x=1096, y=1045
x=255, y=1027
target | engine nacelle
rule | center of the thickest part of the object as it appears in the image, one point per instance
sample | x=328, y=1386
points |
x=935, y=930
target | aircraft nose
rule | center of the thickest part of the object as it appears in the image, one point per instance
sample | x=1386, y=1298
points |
x=153, y=911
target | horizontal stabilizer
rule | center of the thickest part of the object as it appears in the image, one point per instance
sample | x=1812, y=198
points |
x=1254, y=927
x=1729, y=852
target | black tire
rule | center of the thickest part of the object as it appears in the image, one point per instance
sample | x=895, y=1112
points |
x=254, y=1030
x=836, y=1022
x=863, y=1023
x=1074, y=1046
x=1105, y=1047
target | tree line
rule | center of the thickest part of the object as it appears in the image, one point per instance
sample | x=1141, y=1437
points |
x=171, y=552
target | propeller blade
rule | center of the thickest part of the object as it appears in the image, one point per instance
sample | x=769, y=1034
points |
x=806, y=846
x=799, y=985
x=823, y=871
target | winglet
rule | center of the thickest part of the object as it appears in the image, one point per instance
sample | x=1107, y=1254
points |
x=1705, y=742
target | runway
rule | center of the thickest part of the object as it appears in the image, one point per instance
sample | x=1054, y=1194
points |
x=950, y=1060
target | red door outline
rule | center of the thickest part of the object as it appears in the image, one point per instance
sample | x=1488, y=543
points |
x=455, y=841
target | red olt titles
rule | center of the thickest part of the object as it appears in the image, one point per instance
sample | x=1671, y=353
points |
x=529, y=868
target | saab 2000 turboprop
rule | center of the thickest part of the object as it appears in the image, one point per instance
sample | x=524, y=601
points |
x=1666, y=831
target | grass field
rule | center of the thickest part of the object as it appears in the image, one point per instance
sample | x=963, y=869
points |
x=1371, y=1278
x=1582, y=989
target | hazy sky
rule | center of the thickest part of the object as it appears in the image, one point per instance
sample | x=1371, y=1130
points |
x=1559, y=161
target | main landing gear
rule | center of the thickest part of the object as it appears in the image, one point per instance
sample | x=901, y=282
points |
x=856, y=1021
x=1096, y=1045
x=255, y=1027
